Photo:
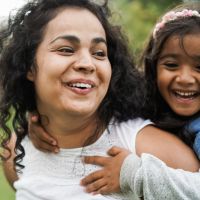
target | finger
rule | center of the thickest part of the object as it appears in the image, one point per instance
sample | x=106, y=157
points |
x=95, y=186
x=104, y=190
x=43, y=150
x=36, y=128
x=96, y=160
x=43, y=146
x=115, y=150
x=92, y=177
x=38, y=131
x=47, y=148
x=33, y=117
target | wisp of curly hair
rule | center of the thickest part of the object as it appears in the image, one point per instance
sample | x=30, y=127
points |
x=19, y=42
x=159, y=110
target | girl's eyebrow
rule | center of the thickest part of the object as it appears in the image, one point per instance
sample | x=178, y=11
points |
x=169, y=55
x=176, y=56
x=196, y=57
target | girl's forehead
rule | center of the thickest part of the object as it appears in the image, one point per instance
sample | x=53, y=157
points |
x=188, y=41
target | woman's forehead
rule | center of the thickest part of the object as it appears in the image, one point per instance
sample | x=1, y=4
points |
x=74, y=20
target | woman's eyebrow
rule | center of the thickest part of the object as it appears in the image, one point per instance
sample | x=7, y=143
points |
x=70, y=38
x=99, y=40
x=75, y=39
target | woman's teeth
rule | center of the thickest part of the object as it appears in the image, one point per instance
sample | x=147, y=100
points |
x=80, y=85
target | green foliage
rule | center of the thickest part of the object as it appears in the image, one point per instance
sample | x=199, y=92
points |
x=6, y=192
x=138, y=18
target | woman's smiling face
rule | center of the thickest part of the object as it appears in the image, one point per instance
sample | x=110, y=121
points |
x=178, y=74
x=73, y=71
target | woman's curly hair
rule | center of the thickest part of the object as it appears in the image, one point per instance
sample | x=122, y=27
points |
x=156, y=106
x=18, y=43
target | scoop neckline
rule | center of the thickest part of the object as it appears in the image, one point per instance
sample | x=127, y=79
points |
x=79, y=149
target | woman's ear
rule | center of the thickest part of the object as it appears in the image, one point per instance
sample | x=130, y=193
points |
x=31, y=74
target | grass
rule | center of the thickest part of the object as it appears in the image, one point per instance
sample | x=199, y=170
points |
x=6, y=192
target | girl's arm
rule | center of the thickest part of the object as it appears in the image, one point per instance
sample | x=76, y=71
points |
x=151, y=140
x=39, y=137
x=155, y=180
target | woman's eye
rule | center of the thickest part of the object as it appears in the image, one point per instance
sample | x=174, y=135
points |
x=99, y=54
x=66, y=50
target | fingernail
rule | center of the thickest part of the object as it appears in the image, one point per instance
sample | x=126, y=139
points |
x=34, y=118
x=82, y=159
x=86, y=190
x=81, y=183
x=53, y=142
x=57, y=150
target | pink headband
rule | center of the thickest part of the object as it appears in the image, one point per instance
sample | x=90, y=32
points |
x=171, y=16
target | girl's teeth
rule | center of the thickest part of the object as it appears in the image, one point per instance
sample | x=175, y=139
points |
x=185, y=94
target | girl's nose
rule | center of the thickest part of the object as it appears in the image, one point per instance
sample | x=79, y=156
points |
x=185, y=76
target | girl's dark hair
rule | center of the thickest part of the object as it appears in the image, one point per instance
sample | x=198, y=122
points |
x=159, y=111
x=19, y=42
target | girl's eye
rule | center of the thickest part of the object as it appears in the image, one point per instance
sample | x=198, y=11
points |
x=171, y=65
x=66, y=50
x=197, y=68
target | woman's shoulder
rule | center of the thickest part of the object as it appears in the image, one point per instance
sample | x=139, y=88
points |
x=132, y=125
x=167, y=147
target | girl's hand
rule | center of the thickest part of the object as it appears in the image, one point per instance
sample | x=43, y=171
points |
x=106, y=180
x=39, y=137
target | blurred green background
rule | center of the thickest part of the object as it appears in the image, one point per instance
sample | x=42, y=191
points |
x=137, y=18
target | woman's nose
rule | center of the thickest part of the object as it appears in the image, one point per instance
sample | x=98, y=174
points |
x=84, y=63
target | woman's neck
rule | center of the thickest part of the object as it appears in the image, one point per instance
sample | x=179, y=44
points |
x=71, y=132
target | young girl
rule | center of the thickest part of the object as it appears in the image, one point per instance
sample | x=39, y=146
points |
x=171, y=60
x=64, y=59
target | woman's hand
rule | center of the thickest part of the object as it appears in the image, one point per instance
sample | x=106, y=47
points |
x=39, y=137
x=106, y=180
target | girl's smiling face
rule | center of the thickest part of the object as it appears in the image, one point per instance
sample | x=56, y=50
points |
x=73, y=70
x=178, y=74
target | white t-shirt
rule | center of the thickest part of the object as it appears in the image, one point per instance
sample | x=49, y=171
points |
x=49, y=176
